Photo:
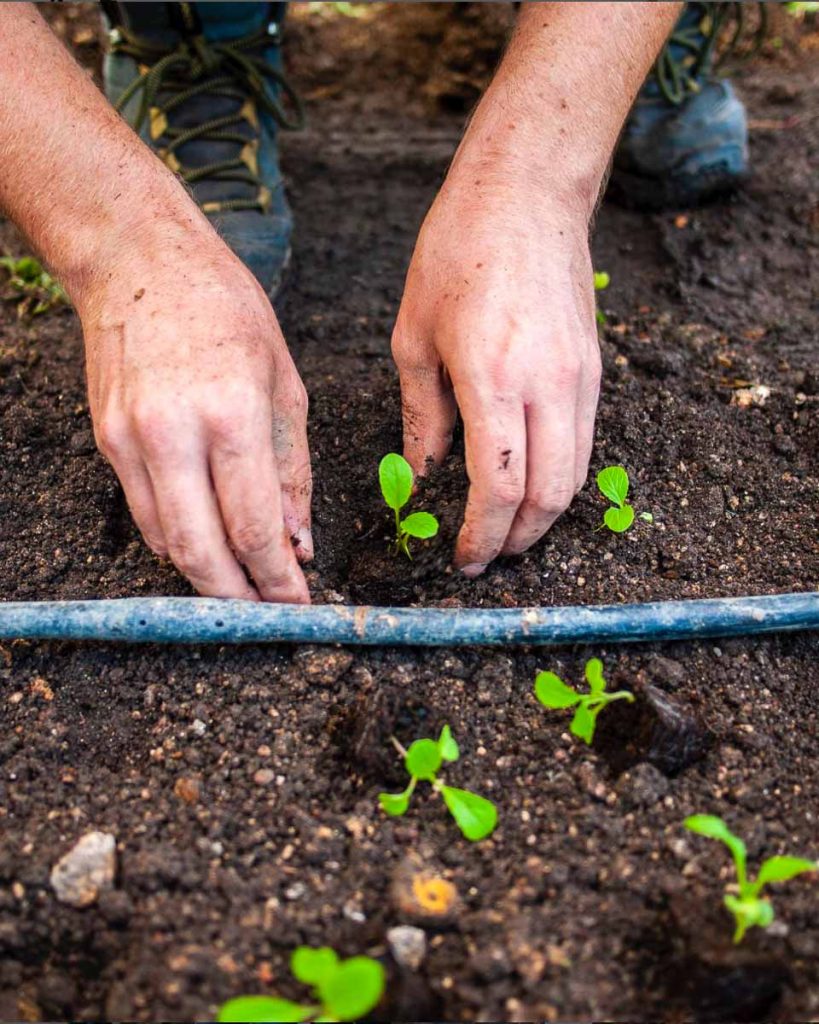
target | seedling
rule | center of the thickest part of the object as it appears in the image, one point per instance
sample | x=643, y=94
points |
x=475, y=816
x=613, y=482
x=748, y=907
x=395, y=477
x=552, y=692
x=343, y=990
x=32, y=287
x=601, y=281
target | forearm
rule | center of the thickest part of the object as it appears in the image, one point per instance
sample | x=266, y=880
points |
x=562, y=92
x=73, y=176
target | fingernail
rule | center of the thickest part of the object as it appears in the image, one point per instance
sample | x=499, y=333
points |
x=302, y=541
x=473, y=569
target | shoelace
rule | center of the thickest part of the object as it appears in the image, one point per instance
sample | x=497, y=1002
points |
x=198, y=66
x=690, y=48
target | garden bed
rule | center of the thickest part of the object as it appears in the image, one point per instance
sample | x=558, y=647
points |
x=241, y=784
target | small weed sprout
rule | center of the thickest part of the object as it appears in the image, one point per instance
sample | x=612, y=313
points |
x=475, y=816
x=601, y=281
x=749, y=908
x=343, y=990
x=395, y=477
x=33, y=289
x=553, y=693
x=613, y=483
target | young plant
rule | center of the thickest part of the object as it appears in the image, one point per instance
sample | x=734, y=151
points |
x=475, y=816
x=552, y=692
x=395, y=477
x=749, y=908
x=601, y=281
x=343, y=990
x=32, y=287
x=613, y=483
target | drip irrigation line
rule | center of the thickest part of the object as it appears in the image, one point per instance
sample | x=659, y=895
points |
x=194, y=620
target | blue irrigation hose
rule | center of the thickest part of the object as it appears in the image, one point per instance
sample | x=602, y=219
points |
x=205, y=620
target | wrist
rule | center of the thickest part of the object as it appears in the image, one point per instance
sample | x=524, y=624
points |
x=120, y=254
x=516, y=141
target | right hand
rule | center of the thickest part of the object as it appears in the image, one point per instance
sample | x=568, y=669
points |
x=199, y=408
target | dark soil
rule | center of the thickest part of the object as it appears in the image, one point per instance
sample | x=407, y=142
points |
x=241, y=784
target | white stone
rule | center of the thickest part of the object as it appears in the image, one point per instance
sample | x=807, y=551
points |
x=408, y=945
x=86, y=870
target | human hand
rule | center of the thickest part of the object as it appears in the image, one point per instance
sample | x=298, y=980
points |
x=498, y=320
x=198, y=406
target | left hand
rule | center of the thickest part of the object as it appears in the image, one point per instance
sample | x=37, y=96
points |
x=498, y=320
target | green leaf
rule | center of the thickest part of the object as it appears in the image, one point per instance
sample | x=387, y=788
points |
x=619, y=520
x=447, y=745
x=313, y=966
x=423, y=759
x=354, y=989
x=583, y=723
x=395, y=477
x=783, y=869
x=420, y=524
x=647, y=517
x=594, y=676
x=263, y=1009
x=712, y=827
x=601, y=280
x=476, y=817
x=613, y=482
x=552, y=692
x=394, y=804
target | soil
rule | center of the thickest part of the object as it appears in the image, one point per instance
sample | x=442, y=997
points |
x=241, y=784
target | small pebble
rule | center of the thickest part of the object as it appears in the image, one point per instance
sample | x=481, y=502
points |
x=408, y=945
x=86, y=870
x=264, y=776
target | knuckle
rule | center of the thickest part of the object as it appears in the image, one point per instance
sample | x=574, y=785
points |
x=299, y=400
x=152, y=424
x=111, y=435
x=187, y=554
x=566, y=373
x=230, y=410
x=553, y=499
x=506, y=494
x=156, y=544
x=251, y=537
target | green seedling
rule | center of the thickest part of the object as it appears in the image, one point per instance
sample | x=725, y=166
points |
x=33, y=289
x=552, y=692
x=343, y=990
x=601, y=281
x=613, y=483
x=395, y=477
x=749, y=908
x=799, y=8
x=475, y=816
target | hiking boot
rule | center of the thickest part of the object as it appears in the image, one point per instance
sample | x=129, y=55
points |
x=202, y=84
x=686, y=138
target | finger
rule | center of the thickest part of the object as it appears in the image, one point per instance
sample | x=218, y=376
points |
x=550, y=472
x=118, y=448
x=250, y=499
x=192, y=525
x=292, y=457
x=139, y=493
x=428, y=410
x=584, y=421
x=495, y=434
